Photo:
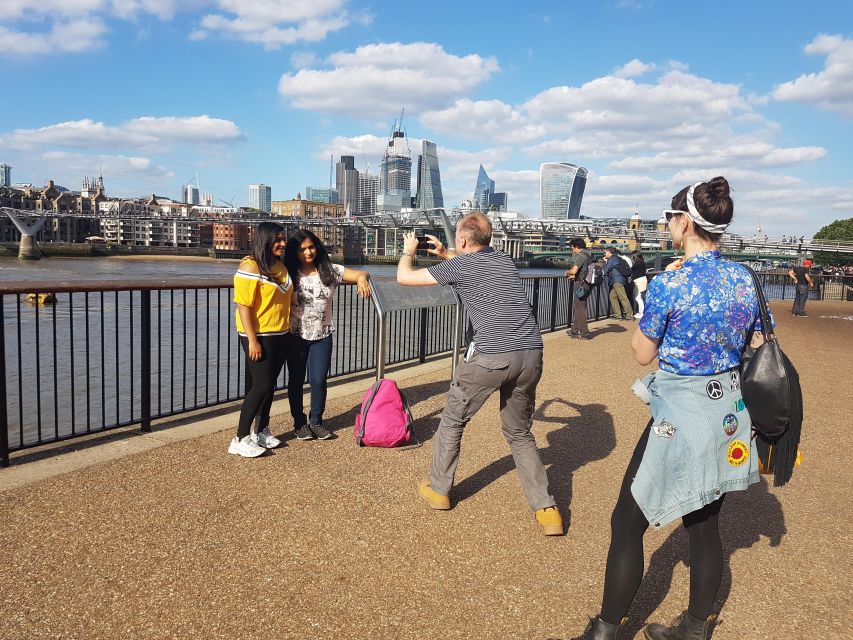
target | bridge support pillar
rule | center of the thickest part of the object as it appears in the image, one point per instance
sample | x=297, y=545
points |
x=29, y=248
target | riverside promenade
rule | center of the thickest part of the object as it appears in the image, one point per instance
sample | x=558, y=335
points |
x=164, y=535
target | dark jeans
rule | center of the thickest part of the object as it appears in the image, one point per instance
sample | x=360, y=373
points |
x=579, y=310
x=316, y=356
x=260, y=381
x=800, y=299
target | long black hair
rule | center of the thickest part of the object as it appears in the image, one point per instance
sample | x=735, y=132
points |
x=321, y=260
x=638, y=260
x=265, y=236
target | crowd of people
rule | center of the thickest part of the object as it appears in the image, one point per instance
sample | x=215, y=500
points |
x=695, y=318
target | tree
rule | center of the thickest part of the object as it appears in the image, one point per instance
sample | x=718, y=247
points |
x=838, y=230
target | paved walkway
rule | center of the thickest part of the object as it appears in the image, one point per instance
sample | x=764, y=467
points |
x=324, y=540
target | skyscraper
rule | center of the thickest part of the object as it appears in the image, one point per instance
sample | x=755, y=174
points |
x=191, y=195
x=395, y=176
x=260, y=197
x=561, y=187
x=483, y=186
x=321, y=194
x=346, y=184
x=429, y=178
x=5, y=175
x=368, y=190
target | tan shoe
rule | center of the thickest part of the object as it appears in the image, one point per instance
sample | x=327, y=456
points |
x=550, y=520
x=435, y=500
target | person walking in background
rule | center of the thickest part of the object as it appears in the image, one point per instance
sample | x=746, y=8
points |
x=505, y=356
x=580, y=265
x=262, y=292
x=698, y=445
x=639, y=279
x=315, y=280
x=802, y=281
x=616, y=270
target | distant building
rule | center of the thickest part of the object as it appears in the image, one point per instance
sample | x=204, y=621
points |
x=307, y=209
x=5, y=175
x=485, y=196
x=561, y=187
x=346, y=183
x=191, y=194
x=321, y=194
x=368, y=192
x=429, y=178
x=233, y=236
x=260, y=197
x=395, y=175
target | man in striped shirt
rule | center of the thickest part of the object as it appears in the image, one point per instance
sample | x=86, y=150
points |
x=506, y=355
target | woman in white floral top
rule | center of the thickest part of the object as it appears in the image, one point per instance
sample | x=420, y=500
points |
x=315, y=279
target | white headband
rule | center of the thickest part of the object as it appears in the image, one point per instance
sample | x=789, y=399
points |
x=697, y=218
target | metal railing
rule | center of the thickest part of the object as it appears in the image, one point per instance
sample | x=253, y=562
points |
x=112, y=354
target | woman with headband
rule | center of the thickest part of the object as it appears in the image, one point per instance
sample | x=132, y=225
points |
x=697, y=446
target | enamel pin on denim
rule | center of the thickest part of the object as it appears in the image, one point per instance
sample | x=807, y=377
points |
x=714, y=390
x=664, y=429
x=730, y=423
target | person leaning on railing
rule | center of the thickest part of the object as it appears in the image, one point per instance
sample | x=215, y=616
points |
x=698, y=445
x=262, y=292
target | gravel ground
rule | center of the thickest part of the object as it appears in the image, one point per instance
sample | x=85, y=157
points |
x=325, y=540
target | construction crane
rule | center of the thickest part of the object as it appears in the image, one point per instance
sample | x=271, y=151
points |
x=366, y=161
x=331, y=168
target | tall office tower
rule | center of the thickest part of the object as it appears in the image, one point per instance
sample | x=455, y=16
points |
x=561, y=187
x=260, y=197
x=368, y=190
x=429, y=178
x=321, y=194
x=484, y=186
x=5, y=175
x=395, y=176
x=346, y=183
x=191, y=195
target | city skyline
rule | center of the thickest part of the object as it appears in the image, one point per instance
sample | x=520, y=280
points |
x=240, y=95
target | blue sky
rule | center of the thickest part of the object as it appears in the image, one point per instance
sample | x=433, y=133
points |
x=648, y=95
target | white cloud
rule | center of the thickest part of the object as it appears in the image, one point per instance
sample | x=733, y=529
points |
x=273, y=23
x=483, y=120
x=752, y=154
x=64, y=37
x=633, y=69
x=145, y=132
x=302, y=59
x=831, y=88
x=78, y=164
x=381, y=78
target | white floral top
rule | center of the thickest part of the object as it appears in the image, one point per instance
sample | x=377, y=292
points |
x=312, y=306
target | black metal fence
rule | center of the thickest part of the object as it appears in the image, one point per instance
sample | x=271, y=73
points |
x=107, y=354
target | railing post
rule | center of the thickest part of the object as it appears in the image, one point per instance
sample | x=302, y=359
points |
x=554, y=304
x=145, y=347
x=422, y=341
x=4, y=418
x=536, y=299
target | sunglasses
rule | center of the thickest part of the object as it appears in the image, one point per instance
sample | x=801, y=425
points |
x=672, y=212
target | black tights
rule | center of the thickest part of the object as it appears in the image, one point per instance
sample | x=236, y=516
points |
x=625, y=558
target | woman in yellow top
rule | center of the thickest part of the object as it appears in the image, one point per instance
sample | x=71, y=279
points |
x=262, y=291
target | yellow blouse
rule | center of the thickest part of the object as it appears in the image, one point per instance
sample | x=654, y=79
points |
x=268, y=299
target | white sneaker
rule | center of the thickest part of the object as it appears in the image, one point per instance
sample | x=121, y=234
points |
x=638, y=315
x=245, y=447
x=265, y=439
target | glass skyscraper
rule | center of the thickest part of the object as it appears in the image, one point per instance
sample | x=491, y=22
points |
x=485, y=185
x=429, y=178
x=561, y=187
x=260, y=197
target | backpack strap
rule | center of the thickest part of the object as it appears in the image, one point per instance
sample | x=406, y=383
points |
x=410, y=427
x=365, y=407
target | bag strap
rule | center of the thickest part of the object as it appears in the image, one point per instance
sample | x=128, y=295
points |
x=766, y=320
x=365, y=407
x=410, y=427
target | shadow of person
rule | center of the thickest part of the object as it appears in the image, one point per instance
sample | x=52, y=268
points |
x=581, y=439
x=745, y=517
x=612, y=328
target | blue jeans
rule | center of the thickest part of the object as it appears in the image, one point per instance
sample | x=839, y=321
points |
x=316, y=357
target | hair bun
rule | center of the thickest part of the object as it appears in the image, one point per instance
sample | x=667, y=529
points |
x=719, y=187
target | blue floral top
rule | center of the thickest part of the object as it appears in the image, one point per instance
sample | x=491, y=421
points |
x=703, y=312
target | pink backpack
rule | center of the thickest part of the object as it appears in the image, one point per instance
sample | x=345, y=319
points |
x=384, y=419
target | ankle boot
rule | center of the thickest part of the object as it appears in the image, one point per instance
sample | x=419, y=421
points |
x=684, y=627
x=598, y=629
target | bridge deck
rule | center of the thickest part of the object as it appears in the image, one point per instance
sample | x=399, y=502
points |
x=323, y=540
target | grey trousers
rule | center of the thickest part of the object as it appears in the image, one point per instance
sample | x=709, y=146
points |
x=515, y=374
x=800, y=300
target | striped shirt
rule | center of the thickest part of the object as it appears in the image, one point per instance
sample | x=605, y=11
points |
x=490, y=288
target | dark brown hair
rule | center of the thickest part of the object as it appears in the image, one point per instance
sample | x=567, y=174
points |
x=713, y=203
